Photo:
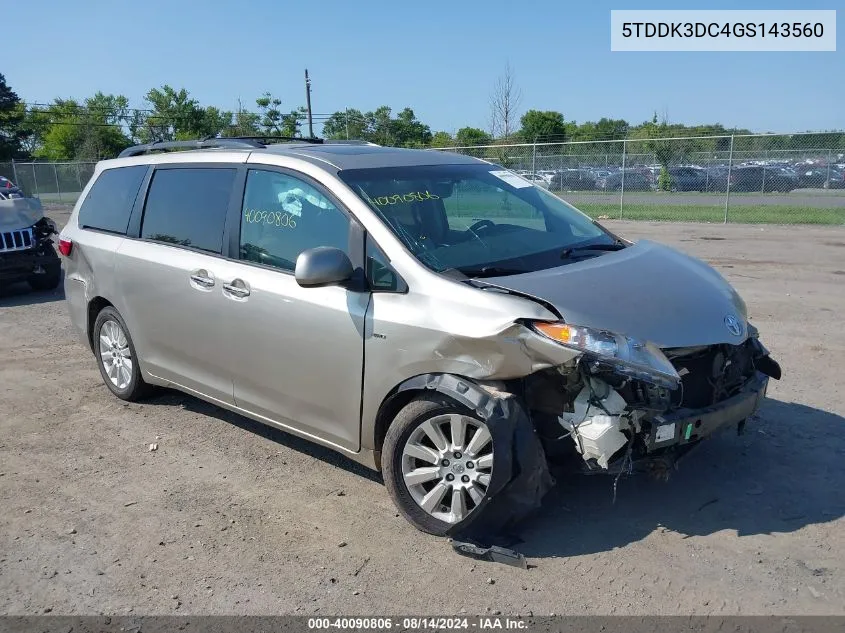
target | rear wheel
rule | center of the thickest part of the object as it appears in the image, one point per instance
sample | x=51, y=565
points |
x=438, y=458
x=116, y=356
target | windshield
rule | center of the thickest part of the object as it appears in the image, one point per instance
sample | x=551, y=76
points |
x=476, y=219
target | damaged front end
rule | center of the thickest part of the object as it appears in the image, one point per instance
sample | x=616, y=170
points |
x=26, y=245
x=626, y=406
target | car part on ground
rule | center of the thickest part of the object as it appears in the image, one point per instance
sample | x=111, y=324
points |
x=26, y=247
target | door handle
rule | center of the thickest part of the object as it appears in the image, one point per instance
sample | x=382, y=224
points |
x=202, y=278
x=238, y=288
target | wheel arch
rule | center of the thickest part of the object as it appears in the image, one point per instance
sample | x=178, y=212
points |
x=475, y=396
x=94, y=307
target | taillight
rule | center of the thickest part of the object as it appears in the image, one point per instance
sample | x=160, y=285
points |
x=65, y=247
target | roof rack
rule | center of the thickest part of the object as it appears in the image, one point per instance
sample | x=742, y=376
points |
x=233, y=142
x=158, y=146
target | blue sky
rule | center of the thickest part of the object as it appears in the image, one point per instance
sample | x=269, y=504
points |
x=440, y=58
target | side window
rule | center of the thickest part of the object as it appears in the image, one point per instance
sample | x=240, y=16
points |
x=283, y=215
x=188, y=207
x=109, y=202
x=380, y=275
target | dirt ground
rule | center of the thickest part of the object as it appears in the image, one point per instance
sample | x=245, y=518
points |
x=230, y=517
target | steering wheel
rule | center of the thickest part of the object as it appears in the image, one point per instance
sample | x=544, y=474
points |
x=481, y=224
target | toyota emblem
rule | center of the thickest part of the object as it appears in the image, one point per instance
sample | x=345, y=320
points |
x=733, y=325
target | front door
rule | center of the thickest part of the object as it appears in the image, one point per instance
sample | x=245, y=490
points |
x=299, y=352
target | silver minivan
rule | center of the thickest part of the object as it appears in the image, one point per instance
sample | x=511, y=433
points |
x=431, y=315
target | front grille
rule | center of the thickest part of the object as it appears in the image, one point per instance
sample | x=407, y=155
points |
x=712, y=374
x=18, y=240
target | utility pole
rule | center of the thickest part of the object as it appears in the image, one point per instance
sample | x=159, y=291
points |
x=308, y=104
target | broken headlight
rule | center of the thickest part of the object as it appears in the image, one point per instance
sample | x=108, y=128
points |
x=627, y=356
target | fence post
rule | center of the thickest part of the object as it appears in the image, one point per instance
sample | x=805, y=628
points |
x=826, y=181
x=78, y=177
x=15, y=174
x=728, y=181
x=534, y=160
x=56, y=174
x=622, y=188
x=35, y=180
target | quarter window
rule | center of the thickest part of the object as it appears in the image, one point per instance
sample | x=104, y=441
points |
x=283, y=215
x=109, y=203
x=188, y=206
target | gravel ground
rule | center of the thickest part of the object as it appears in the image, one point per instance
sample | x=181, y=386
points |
x=230, y=517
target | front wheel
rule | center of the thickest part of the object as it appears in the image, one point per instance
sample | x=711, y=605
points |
x=438, y=459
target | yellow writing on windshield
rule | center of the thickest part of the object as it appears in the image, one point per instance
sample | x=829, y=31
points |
x=269, y=218
x=411, y=196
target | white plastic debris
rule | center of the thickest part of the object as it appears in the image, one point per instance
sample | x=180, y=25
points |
x=153, y=447
x=597, y=430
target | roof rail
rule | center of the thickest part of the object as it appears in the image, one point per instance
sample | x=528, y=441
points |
x=157, y=146
x=267, y=140
x=234, y=142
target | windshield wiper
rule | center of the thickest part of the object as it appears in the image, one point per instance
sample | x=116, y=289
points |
x=568, y=252
x=490, y=271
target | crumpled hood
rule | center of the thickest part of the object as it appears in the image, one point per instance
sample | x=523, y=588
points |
x=646, y=291
x=19, y=213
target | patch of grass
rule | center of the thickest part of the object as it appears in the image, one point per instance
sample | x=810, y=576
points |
x=742, y=214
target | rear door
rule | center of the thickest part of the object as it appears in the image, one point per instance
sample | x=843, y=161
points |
x=299, y=352
x=170, y=277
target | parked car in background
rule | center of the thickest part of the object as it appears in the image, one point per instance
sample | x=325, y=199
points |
x=634, y=181
x=573, y=180
x=763, y=178
x=716, y=178
x=536, y=179
x=9, y=190
x=26, y=247
x=820, y=178
x=687, y=179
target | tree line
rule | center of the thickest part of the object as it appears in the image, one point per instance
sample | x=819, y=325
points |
x=100, y=126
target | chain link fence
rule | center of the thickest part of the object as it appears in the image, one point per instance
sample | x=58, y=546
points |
x=781, y=179
x=51, y=182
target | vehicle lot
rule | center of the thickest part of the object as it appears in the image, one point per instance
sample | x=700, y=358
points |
x=228, y=516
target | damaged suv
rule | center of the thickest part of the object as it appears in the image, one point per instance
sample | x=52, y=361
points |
x=26, y=247
x=431, y=315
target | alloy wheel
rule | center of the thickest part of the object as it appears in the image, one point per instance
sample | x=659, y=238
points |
x=446, y=465
x=115, y=354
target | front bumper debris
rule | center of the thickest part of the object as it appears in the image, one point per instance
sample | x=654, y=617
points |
x=686, y=426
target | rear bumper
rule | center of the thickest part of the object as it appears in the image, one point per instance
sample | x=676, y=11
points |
x=687, y=426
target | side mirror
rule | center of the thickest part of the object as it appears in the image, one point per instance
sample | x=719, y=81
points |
x=322, y=266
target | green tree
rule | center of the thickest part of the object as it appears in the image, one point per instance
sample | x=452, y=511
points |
x=407, y=131
x=175, y=115
x=244, y=123
x=273, y=121
x=12, y=117
x=91, y=130
x=346, y=124
x=542, y=125
x=468, y=136
x=442, y=139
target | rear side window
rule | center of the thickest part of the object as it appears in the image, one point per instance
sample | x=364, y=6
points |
x=188, y=207
x=110, y=201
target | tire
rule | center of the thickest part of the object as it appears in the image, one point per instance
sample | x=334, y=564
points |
x=469, y=463
x=47, y=281
x=123, y=378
